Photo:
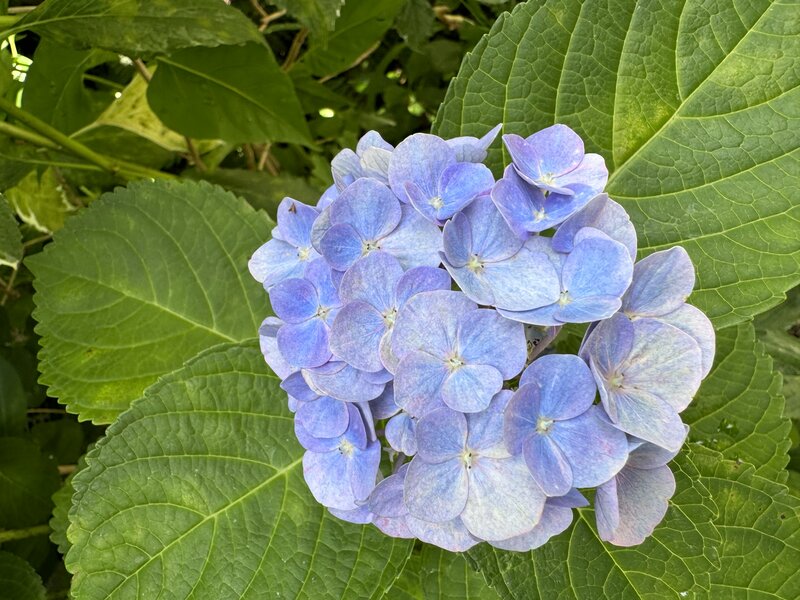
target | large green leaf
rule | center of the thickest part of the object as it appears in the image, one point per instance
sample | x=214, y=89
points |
x=760, y=527
x=55, y=90
x=738, y=410
x=138, y=283
x=198, y=491
x=360, y=27
x=27, y=480
x=692, y=103
x=18, y=580
x=678, y=557
x=13, y=403
x=234, y=93
x=10, y=236
x=136, y=27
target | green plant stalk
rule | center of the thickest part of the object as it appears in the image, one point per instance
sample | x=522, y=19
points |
x=27, y=135
x=21, y=534
x=7, y=21
x=117, y=167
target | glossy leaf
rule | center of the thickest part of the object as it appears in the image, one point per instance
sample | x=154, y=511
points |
x=18, y=579
x=693, y=106
x=235, y=518
x=140, y=282
x=236, y=93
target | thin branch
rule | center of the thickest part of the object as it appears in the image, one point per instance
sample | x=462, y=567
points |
x=294, y=49
x=21, y=534
x=9, y=286
x=66, y=469
x=249, y=156
x=47, y=411
x=265, y=160
x=27, y=135
x=36, y=240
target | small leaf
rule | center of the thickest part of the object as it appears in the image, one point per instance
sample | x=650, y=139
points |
x=318, y=16
x=13, y=402
x=18, y=580
x=41, y=201
x=27, y=480
x=55, y=90
x=138, y=283
x=738, y=410
x=234, y=518
x=234, y=93
x=10, y=236
x=359, y=28
x=678, y=557
x=416, y=23
x=694, y=115
x=62, y=503
x=136, y=27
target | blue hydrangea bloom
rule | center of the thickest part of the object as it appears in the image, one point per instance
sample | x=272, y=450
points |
x=647, y=372
x=472, y=149
x=370, y=159
x=307, y=306
x=553, y=159
x=629, y=506
x=372, y=292
x=453, y=353
x=425, y=171
x=591, y=280
x=342, y=472
x=367, y=217
x=462, y=469
x=603, y=214
x=567, y=442
x=339, y=380
x=268, y=340
x=401, y=434
x=289, y=251
x=493, y=266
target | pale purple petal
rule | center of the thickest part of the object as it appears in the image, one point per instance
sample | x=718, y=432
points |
x=274, y=262
x=661, y=283
x=420, y=158
x=372, y=139
x=560, y=149
x=372, y=279
x=369, y=207
x=436, y=492
x=295, y=385
x=470, y=388
x=695, y=323
x=486, y=431
x=356, y=336
x=326, y=474
x=441, y=435
x=304, y=345
x=384, y=405
x=597, y=266
x=341, y=246
x=363, y=470
x=323, y=418
x=295, y=220
x=585, y=310
x=327, y=198
x=415, y=242
x=588, y=179
x=294, y=300
x=457, y=240
x=524, y=156
x=548, y=464
x=418, y=383
x=359, y=516
x=429, y=321
x=644, y=455
x=504, y=500
x=472, y=149
x=268, y=341
x=603, y=214
x=420, y=279
x=555, y=519
x=566, y=386
x=314, y=444
x=485, y=337
x=345, y=168
x=401, y=434
x=343, y=382
x=647, y=417
x=492, y=239
x=322, y=224
x=320, y=274
x=387, y=498
x=521, y=416
x=460, y=184
x=451, y=535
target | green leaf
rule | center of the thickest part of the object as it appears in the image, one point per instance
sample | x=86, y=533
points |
x=738, y=410
x=678, y=557
x=358, y=31
x=138, y=283
x=136, y=27
x=13, y=403
x=318, y=16
x=234, y=519
x=40, y=200
x=234, y=93
x=10, y=236
x=760, y=526
x=62, y=503
x=416, y=23
x=27, y=480
x=693, y=106
x=18, y=580
x=55, y=90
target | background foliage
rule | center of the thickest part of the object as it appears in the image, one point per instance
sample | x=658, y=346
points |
x=120, y=292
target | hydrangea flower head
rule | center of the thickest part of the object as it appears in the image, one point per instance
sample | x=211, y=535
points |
x=416, y=311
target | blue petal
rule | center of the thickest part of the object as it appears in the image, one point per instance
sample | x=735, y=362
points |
x=320, y=274
x=492, y=239
x=588, y=179
x=695, y=323
x=436, y=492
x=486, y=434
x=548, y=464
x=345, y=168
x=268, y=340
x=418, y=383
x=356, y=335
x=485, y=337
x=369, y=207
x=384, y=405
x=596, y=451
x=372, y=139
x=420, y=158
x=304, y=345
x=504, y=500
x=372, y=279
x=326, y=474
x=323, y=418
x=597, y=266
x=460, y=184
x=472, y=282
x=401, y=435
x=470, y=388
x=472, y=149
x=647, y=417
x=555, y=519
x=586, y=310
x=572, y=499
x=314, y=444
x=661, y=283
x=296, y=386
x=363, y=470
x=602, y=214
x=420, y=279
x=566, y=385
x=274, y=262
x=327, y=198
x=294, y=300
x=451, y=535
x=524, y=157
x=457, y=240
x=321, y=226
x=441, y=435
x=630, y=508
x=415, y=242
x=295, y=220
x=559, y=148
x=608, y=345
x=359, y=516
x=356, y=432
x=341, y=246
x=429, y=321
x=387, y=499
x=344, y=383
x=644, y=455
x=521, y=416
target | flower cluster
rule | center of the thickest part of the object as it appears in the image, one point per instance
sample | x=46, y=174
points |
x=415, y=309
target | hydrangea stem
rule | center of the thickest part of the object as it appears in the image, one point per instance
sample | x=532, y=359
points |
x=21, y=534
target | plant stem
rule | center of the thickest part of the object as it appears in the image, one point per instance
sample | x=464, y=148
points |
x=103, y=81
x=294, y=49
x=117, y=167
x=7, y=293
x=20, y=10
x=8, y=21
x=21, y=534
x=26, y=135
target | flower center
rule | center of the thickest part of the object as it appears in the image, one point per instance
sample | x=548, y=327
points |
x=564, y=298
x=467, y=457
x=547, y=179
x=474, y=263
x=322, y=312
x=455, y=362
x=303, y=253
x=543, y=424
x=369, y=246
x=616, y=381
x=436, y=202
x=389, y=317
x=346, y=448
x=538, y=215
